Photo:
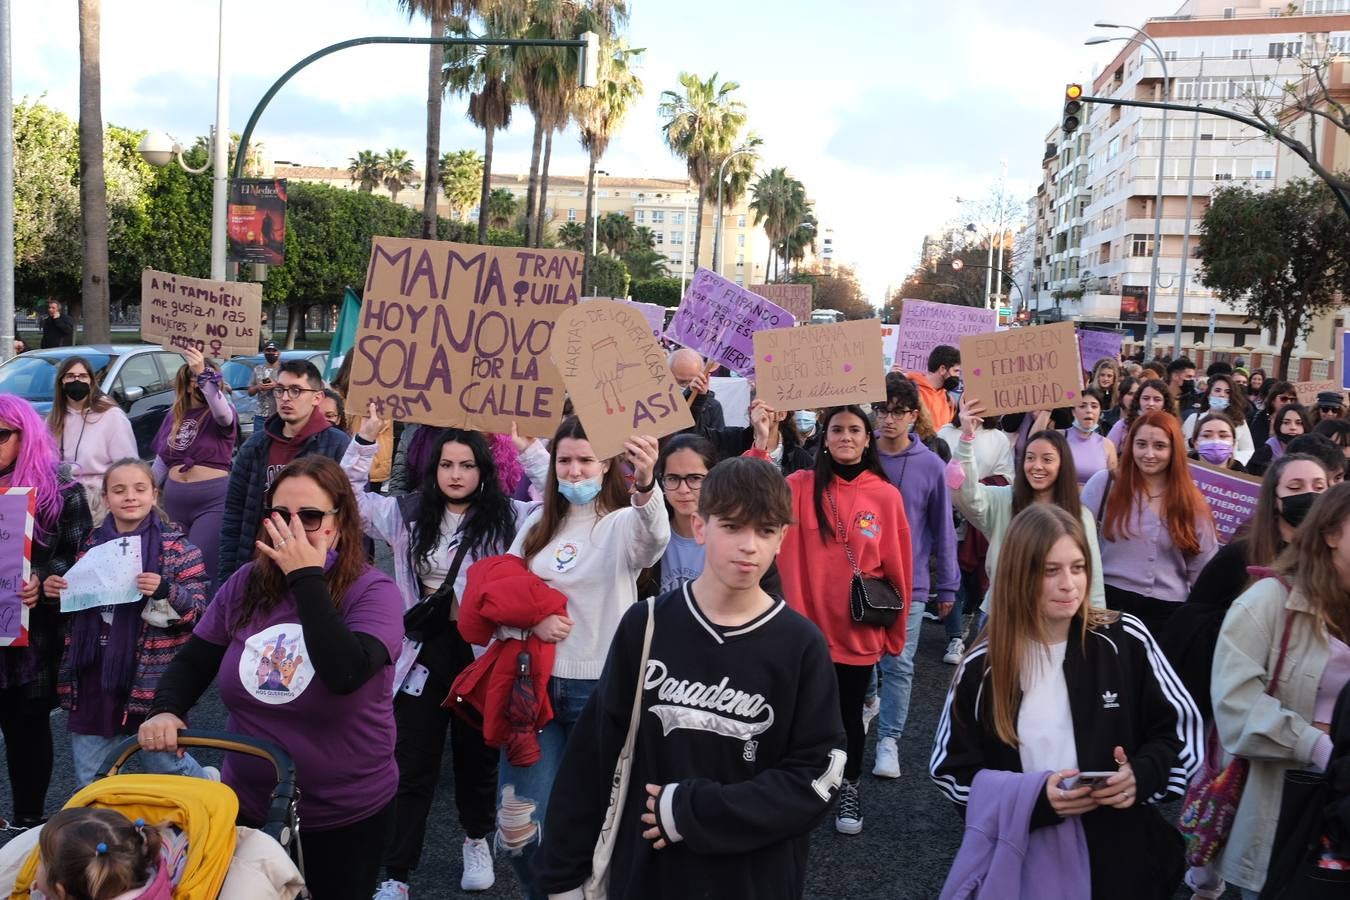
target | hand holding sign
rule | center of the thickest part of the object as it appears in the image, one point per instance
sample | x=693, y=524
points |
x=816, y=366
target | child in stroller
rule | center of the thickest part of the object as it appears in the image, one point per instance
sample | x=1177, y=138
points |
x=101, y=854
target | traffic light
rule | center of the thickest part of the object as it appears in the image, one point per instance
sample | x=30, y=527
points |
x=1072, y=107
x=588, y=70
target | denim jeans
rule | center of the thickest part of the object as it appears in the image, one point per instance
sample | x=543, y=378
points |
x=897, y=678
x=88, y=751
x=535, y=783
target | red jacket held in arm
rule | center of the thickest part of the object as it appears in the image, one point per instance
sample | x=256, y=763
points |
x=502, y=591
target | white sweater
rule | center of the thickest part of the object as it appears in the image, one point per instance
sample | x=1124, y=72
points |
x=95, y=442
x=595, y=562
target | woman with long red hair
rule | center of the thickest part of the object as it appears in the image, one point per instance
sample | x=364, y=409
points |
x=1156, y=529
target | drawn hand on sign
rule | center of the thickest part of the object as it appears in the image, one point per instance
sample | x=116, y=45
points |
x=609, y=369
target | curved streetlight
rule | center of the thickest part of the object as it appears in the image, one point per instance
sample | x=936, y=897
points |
x=1143, y=38
x=717, y=235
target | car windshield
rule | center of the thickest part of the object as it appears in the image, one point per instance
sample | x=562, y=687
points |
x=34, y=377
x=237, y=373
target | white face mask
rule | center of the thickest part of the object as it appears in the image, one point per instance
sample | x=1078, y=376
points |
x=806, y=420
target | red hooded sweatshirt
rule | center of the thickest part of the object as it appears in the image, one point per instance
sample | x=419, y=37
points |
x=284, y=450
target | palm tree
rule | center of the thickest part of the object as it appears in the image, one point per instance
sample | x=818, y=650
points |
x=365, y=168
x=502, y=207
x=398, y=171
x=461, y=176
x=801, y=239
x=573, y=236
x=485, y=73
x=617, y=233
x=599, y=111
x=702, y=125
x=644, y=238
x=779, y=202
x=93, y=188
x=644, y=263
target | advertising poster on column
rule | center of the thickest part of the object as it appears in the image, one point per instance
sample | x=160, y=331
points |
x=1134, y=303
x=256, y=221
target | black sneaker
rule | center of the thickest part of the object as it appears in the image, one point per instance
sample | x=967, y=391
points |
x=848, y=819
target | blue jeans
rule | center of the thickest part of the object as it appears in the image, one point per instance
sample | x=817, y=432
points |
x=535, y=783
x=897, y=678
x=88, y=751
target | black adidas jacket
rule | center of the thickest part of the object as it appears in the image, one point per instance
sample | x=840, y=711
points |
x=1122, y=693
x=740, y=726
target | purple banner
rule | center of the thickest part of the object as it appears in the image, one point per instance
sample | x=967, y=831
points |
x=1094, y=346
x=925, y=325
x=1345, y=359
x=1231, y=497
x=718, y=318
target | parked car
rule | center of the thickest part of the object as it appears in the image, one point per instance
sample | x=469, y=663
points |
x=139, y=377
x=238, y=372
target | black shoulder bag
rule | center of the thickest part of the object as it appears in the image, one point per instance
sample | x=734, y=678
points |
x=430, y=617
x=871, y=601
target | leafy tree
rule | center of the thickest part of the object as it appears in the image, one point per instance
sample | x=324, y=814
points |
x=611, y=277
x=617, y=233
x=485, y=73
x=397, y=171
x=840, y=290
x=365, y=168
x=573, y=236
x=644, y=238
x=779, y=202
x=802, y=238
x=645, y=263
x=1283, y=254
x=661, y=291
x=461, y=175
x=503, y=207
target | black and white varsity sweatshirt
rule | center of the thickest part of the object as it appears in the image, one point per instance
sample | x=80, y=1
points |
x=741, y=728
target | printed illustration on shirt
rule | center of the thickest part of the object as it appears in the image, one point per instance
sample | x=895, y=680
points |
x=273, y=666
x=866, y=523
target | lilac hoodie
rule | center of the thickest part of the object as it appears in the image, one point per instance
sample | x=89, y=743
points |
x=919, y=473
x=1002, y=858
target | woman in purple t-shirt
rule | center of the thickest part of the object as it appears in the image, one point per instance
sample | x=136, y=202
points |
x=302, y=643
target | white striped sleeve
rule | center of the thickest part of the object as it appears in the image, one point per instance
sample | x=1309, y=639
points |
x=1187, y=717
x=955, y=745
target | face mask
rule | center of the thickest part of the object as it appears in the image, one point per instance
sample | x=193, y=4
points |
x=952, y=384
x=806, y=421
x=75, y=390
x=1215, y=452
x=579, y=493
x=271, y=357
x=1085, y=429
x=1188, y=386
x=1294, y=508
x=1218, y=404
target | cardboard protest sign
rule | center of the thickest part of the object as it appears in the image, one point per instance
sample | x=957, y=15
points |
x=654, y=314
x=820, y=365
x=890, y=343
x=458, y=334
x=925, y=325
x=1308, y=390
x=1095, y=346
x=1022, y=369
x=1231, y=497
x=795, y=298
x=219, y=318
x=17, y=506
x=616, y=374
x=717, y=318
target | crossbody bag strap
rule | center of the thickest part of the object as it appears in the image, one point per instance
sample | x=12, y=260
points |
x=843, y=535
x=1284, y=649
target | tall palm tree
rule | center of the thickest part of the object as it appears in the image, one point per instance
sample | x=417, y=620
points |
x=599, y=112
x=461, y=176
x=93, y=188
x=574, y=236
x=800, y=240
x=702, y=124
x=779, y=202
x=502, y=207
x=617, y=233
x=398, y=171
x=365, y=168
x=485, y=73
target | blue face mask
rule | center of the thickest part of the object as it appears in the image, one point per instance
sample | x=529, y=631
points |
x=1085, y=429
x=1218, y=403
x=579, y=493
x=806, y=420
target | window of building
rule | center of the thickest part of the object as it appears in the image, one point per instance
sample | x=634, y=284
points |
x=740, y=259
x=677, y=237
x=1263, y=169
x=660, y=237
x=1242, y=54
x=740, y=221
x=640, y=216
x=1338, y=44
x=740, y=240
x=1170, y=55
x=658, y=217
x=1321, y=7
x=677, y=218
x=548, y=214
x=1141, y=245
x=1284, y=49
x=571, y=214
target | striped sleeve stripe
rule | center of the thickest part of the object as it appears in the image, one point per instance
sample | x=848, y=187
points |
x=955, y=791
x=1188, y=716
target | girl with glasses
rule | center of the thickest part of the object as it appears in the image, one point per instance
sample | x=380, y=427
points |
x=91, y=430
x=302, y=643
x=28, y=674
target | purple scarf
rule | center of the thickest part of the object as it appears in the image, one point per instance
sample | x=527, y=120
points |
x=1276, y=447
x=119, y=655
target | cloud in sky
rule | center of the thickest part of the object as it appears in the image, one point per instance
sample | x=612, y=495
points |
x=885, y=109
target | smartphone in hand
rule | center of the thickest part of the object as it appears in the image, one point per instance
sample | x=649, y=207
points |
x=1092, y=780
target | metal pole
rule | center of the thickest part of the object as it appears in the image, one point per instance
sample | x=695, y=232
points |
x=6, y=187
x=1186, y=230
x=1157, y=212
x=989, y=275
x=998, y=265
x=684, y=246
x=220, y=171
x=717, y=222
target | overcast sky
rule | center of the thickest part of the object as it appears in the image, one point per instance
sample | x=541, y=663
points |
x=886, y=109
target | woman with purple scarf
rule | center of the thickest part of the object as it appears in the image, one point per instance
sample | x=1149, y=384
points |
x=28, y=673
x=116, y=654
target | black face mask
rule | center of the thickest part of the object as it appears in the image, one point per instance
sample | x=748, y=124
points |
x=75, y=390
x=952, y=384
x=271, y=357
x=1294, y=508
x=1188, y=386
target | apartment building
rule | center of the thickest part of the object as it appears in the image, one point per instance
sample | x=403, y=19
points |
x=1092, y=243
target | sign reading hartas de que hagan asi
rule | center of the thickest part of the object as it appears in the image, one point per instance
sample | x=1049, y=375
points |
x=256, y=227
x=458, y=334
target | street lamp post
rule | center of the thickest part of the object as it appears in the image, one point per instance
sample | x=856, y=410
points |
x=7, y=321
x=684, y=242
x=595, y=232
x=1186, y=230
x=717, y=235
x=1145, y=39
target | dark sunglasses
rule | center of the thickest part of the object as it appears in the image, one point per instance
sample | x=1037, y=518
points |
x=310, y=519
x=6, y=434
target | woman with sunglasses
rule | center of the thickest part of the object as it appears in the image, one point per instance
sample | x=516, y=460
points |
x=1278, y=394
x=302, y=643
x=193, y=452
x=1288, y=422
x=28, y=674
x=91, y=430
x=458, y=515
x=1152, y=396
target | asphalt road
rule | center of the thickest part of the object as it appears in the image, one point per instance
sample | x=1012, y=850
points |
x=910, y=835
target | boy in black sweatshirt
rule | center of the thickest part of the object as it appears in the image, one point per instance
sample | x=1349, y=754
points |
x=739, y=745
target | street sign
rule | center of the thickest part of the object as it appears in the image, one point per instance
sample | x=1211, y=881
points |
x=1005, y=310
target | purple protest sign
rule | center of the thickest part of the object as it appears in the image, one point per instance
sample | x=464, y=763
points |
x=1094, y=346
x=1231, y=497
x=718, y=318
x=925, y=325
x=17, y=506
x=1345, y=359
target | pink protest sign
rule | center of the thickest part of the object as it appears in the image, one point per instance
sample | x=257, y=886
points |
x=925, y=325
x=1230, y=495
x=718, y=318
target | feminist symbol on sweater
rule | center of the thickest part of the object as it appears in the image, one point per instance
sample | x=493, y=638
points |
x=565, y=557
x=273, y=666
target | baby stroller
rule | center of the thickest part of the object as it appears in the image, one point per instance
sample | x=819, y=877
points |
x=223, y=861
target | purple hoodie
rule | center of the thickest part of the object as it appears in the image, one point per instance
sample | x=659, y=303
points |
x=919, y=474
x=1002, y=858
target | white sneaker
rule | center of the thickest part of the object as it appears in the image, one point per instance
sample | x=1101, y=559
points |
x=871, y=711
x=888, y=759
x=478, y=874
x=392, y=890
x=956, y=648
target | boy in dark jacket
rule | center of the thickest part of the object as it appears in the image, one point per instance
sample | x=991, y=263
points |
x=738, y=752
